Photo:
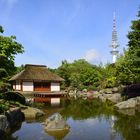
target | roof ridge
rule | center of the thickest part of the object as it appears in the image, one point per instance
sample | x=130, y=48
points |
x=36, y=72
x=34, y=65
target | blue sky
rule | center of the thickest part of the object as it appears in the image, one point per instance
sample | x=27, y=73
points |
x=56, y=30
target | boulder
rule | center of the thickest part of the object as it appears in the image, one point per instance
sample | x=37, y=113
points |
x=102, y=98
x=11, y=119
x=55, y=123
x=138, y=100
x=96, y=94
x=84, y=90
x=130, y=103
x=81, y=94
x=108, y=91
x=4, y=124
x=107, y=95
x=115, y=98
x=14, y=116
x=115, y=89
x=102, y=91
x=32, y=113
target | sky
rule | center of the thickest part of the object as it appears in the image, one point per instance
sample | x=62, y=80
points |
x=55, y=30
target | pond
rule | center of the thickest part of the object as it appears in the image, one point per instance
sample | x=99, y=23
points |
x=88, y=120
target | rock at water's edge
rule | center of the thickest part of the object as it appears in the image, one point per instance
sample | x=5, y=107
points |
x=32, y=113
x=56, y=123
x=130, y=103
x=4, y=124
x=115, y=98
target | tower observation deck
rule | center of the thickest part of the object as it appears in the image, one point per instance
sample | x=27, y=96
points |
x=114, y=44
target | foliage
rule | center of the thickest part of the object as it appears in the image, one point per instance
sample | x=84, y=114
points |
x=9, y=47
x=20, y=68
x=128, y=65
x=4, y=86
x=1, y=95
x=14, y=96
x=3, y=108
x=128, y=126
x=64, y=72
x=79, y=74
x=110, y=82
x=108, y=76
x=1, y=29
x=132, y=90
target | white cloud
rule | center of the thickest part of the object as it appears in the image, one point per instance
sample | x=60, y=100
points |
x=91, y=55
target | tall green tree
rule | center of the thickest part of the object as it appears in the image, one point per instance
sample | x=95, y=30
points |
x=80, y=74
x=134, y=48
x=128, y=66
x=9, y=47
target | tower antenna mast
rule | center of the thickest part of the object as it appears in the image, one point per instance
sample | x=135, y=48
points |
x=114, y=43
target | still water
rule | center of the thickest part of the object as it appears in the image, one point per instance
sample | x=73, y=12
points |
x=88, y=120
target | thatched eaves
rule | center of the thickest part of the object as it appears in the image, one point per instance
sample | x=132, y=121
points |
x=36, y=72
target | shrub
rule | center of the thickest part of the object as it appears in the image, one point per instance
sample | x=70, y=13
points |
x=3, y=108
x=1, y=95
x=14, y=96
x=132, y=90
x=91, y=88
x=4, y=86
x=110, y=82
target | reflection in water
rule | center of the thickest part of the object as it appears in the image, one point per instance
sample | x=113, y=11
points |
x=87, y=120
x=113, y=132
x=129, y=112
x=56, y=126
x=58, y=135
x=55, y=101
x=128, y=126
x=83, y=109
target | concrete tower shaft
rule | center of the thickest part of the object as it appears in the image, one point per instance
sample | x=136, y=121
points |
x=114, y=43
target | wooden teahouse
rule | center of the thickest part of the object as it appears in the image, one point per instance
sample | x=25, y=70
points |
x=36, y=78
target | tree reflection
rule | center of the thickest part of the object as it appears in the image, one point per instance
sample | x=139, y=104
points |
x=128, y=126
x=84, y=109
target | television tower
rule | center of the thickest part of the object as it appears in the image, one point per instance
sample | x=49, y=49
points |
x=114, y=43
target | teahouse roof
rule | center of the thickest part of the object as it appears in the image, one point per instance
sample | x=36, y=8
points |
x=36, y=72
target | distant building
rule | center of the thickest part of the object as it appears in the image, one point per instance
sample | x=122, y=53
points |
x=114, y=43
x=36, y=78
